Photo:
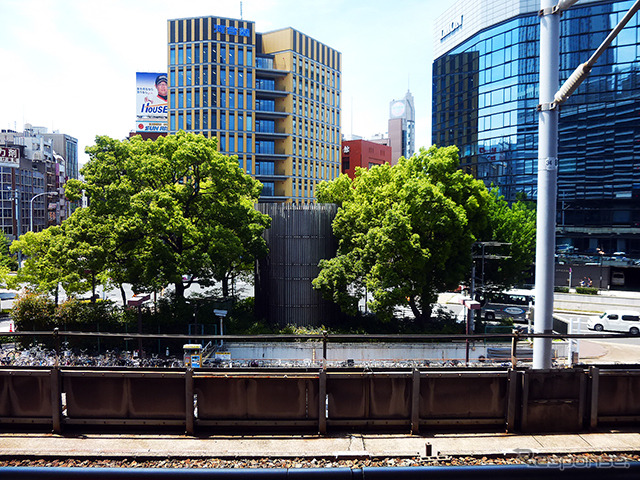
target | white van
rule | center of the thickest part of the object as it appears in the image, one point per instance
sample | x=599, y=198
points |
x=617, y=321
x=617, y=278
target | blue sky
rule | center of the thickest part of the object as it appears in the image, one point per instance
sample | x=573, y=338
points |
x=70, y=65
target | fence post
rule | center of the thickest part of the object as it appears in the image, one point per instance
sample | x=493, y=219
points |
x=56, y=341
x=325, y=336
x=322, y=400
x=190, y=416
x=56, y=400
x=514, y=346
x=512, y=398
x=415, y=402
x=594, y=373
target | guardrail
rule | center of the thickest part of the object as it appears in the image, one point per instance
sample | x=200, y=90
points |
x=321, y=399
x=236, y=400
x=516, y=338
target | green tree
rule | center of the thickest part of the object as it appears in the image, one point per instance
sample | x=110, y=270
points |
x=50, y=261
x=405, y=232
x=516, y=225
x=162, y=209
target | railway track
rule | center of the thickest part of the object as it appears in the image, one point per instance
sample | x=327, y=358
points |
x=602, y=460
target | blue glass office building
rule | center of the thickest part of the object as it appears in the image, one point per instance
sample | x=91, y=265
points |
x=485, y=97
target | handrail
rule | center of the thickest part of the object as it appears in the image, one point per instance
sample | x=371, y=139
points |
x=328, y=336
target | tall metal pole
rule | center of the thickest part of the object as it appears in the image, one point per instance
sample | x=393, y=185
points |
x=547, y=181
x=548, y=159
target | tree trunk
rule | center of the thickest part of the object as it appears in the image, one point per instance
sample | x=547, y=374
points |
x=422, y=317
x=414, y=307
x=225, y=287
x=93, y=288
x=179, y=290
x=124, y=295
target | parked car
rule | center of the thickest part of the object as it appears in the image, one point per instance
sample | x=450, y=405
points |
x=617, y=278
x=617, y=321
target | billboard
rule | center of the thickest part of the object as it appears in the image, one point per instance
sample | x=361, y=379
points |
x=151, y=102
x=9, y=157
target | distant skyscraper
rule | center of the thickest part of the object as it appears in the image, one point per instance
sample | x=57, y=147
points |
x=402, y=127
x=272, y=99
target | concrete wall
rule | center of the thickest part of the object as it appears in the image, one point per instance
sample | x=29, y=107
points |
x=381, y=353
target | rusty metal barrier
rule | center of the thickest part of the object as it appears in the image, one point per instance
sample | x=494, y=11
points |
x=319, y=400
x=125, y=398
x=327, y=400
x=615, y=396
x=30, y=396
x=471, y=398
x=554, y=400
x=258, y=400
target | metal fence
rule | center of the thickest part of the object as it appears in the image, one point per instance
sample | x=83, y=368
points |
x=300, y=236
x=318, y=400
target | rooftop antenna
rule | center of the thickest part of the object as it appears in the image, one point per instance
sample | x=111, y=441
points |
x=240, y=10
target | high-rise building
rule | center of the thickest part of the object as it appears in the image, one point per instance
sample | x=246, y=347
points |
x=33, y=170
x=272, y=99
x=402, y=127
x=485, y=98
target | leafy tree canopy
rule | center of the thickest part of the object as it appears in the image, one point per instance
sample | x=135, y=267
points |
x=405, y=232
x=160, y=210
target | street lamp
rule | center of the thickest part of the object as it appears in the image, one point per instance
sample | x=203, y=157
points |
x=31, y=206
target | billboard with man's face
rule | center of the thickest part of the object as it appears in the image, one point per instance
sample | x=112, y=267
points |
x=152, y=89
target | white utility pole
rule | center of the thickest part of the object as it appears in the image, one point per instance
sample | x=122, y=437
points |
x=550, y=99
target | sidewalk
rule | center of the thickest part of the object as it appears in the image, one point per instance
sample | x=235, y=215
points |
x=347, y=446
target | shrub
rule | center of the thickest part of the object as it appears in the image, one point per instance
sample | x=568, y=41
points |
x=587, y=290
x=75, y=314
x=561, y=289
x=33, y=311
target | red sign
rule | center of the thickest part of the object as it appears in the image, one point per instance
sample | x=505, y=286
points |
x=10, y=156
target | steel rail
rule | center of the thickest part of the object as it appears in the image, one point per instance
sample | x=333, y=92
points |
x=562, y=471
